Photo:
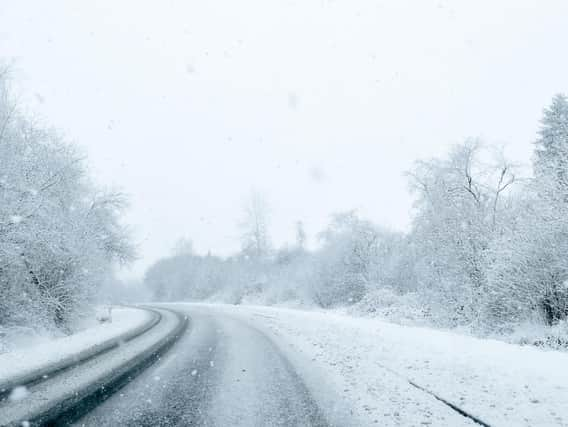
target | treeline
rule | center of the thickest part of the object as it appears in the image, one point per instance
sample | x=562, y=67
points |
x=59, y=235
x=487, y=249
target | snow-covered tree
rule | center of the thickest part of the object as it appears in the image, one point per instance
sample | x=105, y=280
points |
x=59, y=236
x=255, y=237
x=529, y=275
x=551, y=151
x=301, y=236
x=458, y=212
x=346, y=261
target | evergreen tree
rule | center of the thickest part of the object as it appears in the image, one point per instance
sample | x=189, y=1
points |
x=550, y=210
x=551, y=154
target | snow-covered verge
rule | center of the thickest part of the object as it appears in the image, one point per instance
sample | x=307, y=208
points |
x=537, y=334
x=30, y=359
x=20, y=337
x=409, y=310
x=500, y=383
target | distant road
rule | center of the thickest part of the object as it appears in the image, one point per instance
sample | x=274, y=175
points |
x=222, y=372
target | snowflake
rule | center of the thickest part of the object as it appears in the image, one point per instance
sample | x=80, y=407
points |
x=16, y=219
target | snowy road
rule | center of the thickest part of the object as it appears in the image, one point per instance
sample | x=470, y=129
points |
x=235, y=370
x=267, y=366
x=222, y=372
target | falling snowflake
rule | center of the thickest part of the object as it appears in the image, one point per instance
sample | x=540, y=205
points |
x=18, y=393
x=16, y=219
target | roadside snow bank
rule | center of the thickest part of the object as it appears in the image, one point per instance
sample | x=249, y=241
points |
x=20, y=363
x=500, y=383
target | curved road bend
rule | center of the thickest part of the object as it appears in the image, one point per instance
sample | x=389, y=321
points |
x=222, y=372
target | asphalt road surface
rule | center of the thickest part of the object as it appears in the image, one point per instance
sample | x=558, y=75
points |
x=222, y=372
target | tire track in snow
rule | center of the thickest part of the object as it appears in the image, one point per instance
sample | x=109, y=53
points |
x=449, y=404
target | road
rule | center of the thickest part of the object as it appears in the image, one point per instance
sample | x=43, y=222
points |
x=222, y=372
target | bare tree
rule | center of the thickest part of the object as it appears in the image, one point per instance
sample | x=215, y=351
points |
x=255, y=238
x=301, y=237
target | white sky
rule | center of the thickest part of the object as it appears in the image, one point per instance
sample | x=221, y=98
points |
x=321, y=104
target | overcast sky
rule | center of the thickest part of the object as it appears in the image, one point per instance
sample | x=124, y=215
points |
x=320, y=104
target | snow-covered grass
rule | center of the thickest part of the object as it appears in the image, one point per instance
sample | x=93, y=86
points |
x=47, y=352
x=35, y=330
x=502, y=384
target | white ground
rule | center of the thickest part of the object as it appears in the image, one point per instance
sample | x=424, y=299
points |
x=47, y=352
x=369, y=361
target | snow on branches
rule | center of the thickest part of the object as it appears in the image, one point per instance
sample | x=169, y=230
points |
x=58, y=234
